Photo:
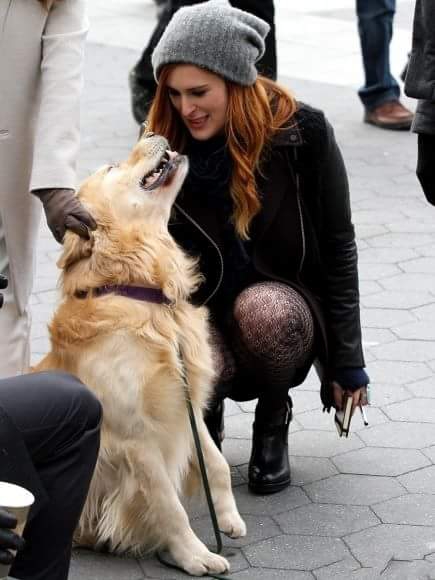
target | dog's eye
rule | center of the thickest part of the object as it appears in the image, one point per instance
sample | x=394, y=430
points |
x=110, y=168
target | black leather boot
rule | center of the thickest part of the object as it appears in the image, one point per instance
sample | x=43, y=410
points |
x=269, y=466
x=214, y=420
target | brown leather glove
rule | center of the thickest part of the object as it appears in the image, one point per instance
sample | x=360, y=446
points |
x=64, y=211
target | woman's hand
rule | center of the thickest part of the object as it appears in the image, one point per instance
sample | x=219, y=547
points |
x=8, y=539
x=359, y=397
x=64, y=211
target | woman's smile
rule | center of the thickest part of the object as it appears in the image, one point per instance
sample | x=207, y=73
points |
x=197, y=122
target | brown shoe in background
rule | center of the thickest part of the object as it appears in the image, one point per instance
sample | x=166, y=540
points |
x=392, y=115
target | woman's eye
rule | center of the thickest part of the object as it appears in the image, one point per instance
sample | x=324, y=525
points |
x=198, y=93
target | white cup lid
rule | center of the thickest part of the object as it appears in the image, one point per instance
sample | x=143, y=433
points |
x=14, y=496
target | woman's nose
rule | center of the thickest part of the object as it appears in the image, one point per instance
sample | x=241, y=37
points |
x=187, y=107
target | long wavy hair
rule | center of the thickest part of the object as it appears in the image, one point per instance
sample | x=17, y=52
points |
x=254, y=115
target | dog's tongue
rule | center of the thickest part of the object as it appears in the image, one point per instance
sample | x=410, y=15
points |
x=159, y=177
x=152, y=178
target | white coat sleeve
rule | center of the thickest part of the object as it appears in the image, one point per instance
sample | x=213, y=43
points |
x=57, y=135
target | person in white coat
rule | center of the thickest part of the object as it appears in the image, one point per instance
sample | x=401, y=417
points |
x=41, y=70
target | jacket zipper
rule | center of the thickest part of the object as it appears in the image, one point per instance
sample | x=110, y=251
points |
x=213, y=243
x=301, y=217
x=301, y=221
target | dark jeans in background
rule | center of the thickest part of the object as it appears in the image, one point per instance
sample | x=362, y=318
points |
x=58, y=420
x=375, y=26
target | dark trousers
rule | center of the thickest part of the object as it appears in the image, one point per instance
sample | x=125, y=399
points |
x=262, y=8
x=375, y=25
x=426, y=165
x=59, y=422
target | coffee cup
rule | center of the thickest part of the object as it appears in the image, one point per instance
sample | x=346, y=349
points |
x=17, y=500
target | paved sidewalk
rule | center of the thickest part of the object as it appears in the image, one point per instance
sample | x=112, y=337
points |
x=361, y=508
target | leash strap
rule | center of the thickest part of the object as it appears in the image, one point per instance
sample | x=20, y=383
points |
x=203, y=470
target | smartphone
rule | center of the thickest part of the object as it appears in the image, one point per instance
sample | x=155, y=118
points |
x=343, y=416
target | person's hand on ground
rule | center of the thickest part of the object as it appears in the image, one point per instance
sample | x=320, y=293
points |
x=8, y=539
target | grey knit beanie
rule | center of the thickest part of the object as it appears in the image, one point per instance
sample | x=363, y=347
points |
x=215, y=36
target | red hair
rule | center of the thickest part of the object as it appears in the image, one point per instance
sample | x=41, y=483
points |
x=254, y=114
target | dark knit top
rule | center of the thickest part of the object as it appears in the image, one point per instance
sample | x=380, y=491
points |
x=210, y=170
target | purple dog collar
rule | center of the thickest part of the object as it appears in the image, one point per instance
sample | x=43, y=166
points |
x=154, y=295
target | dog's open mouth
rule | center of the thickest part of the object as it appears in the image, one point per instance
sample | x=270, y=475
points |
x=162, y=172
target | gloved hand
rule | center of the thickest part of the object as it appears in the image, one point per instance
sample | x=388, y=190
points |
x=8, y=539
x=3, y=285
x=64, y=211
x=359, y=396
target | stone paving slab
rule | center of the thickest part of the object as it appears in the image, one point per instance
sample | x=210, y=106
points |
x=358, y=509
x=377, y=546
x=296, y=552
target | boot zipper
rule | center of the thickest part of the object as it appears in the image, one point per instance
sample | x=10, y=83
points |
x=213, y=243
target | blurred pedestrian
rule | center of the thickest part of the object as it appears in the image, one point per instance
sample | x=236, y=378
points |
x=265, y=208
x=49, y=440
x=420, y=84
x=380, y=95
x=41, y=66
x=160, y=5
x=141, y=78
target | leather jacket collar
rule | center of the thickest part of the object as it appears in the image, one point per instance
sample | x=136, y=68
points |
x=288, y=136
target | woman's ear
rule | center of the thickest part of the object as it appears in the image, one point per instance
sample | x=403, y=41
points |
x=75, y=249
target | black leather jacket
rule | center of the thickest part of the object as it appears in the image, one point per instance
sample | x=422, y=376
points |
x=303, y=235
x=420, y=78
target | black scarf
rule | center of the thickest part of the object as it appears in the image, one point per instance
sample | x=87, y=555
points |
x=210, y=170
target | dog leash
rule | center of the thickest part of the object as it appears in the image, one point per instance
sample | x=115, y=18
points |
x=205, y=482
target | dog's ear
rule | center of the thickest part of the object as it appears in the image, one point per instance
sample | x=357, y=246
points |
x=75, y=249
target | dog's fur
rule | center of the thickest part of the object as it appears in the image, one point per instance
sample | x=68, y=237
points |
x=127, y=352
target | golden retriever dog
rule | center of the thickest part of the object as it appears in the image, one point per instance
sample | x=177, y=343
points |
x=127, y=350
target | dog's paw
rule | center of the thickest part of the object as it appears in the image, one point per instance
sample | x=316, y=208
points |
x=194, y=556
x=206, y=562
x=232, y=525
